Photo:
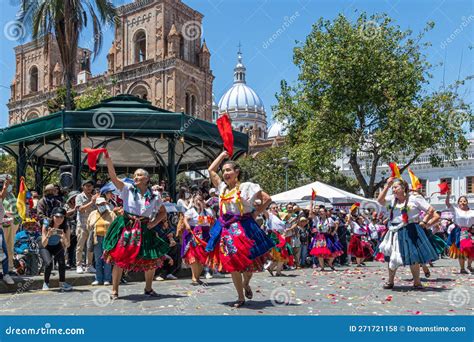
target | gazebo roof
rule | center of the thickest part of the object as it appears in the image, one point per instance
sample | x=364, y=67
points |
x=135, y=132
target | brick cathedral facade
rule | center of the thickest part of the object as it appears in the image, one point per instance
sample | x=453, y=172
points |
x=156, y=54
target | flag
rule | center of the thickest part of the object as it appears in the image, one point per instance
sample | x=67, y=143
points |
x=93, y=155
x=21, y=199
x=415, y=182
x=395, y=170
x=225, y=130
x=443, y=188
x=355, y=206
x=313, y=194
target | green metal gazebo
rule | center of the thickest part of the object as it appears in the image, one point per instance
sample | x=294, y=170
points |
x=136, y=134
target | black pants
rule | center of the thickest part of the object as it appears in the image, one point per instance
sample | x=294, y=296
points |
x=175, y=254
x=56, y=252
x=71, y=251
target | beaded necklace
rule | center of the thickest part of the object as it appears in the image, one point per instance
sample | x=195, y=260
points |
x=404, y=210
x=149, y=196
x=228, y=197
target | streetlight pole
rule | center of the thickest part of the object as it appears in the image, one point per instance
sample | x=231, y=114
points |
x=286, y=164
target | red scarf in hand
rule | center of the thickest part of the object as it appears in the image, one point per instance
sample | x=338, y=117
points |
x=93, y=155
x=443, y=188
x=225, y=130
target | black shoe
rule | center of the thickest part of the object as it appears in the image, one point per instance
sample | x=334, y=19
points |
x=123, y=280
x=248, y=292
x=151, y=293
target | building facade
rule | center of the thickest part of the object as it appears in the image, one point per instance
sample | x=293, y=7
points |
x=157, y=54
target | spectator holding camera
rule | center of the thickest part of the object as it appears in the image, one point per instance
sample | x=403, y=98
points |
x=48, y=202
x=55, y=239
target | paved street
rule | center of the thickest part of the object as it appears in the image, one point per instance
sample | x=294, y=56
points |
x=349, y=291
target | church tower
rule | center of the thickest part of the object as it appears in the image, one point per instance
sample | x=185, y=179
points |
x=157, y=54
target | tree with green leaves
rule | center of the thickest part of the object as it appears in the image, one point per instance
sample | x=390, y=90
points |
x=66, y=21
x=361, y=95
x=58, y=102
x=91, y=97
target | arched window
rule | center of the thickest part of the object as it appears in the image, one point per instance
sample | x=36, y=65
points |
x=187, y=105
x=190, y=104
x=32, y=115
x=140, y=91
x=139, y=43
x=193, y=105
x=33, y=79
x=181, y=48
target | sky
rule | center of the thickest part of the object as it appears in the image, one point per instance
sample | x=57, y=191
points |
x=268, y=30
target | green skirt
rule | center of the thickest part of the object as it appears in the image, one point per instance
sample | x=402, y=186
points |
x=131, y=245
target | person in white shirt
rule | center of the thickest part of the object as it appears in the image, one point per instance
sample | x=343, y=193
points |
x=324, y=245
x=237, y=244
x=281, y=253
x=405, y=243
x=359, y=245
x=131, y=242
x=460, y=242
x=197, y=223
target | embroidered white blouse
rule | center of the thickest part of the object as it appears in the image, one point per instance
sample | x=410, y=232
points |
x=416, y=204
x=203, y=219
x=248, y=195
x=135, y=203
x=463, y=218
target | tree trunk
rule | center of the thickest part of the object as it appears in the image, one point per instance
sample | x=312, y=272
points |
x=68, y=100
x=358, y=173
x=373, y=173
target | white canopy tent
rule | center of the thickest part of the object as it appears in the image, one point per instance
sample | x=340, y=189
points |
x=324, y=192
